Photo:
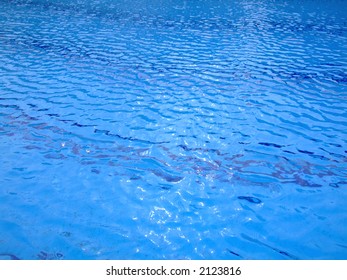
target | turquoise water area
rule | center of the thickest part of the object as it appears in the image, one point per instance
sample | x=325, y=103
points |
x=172, y=129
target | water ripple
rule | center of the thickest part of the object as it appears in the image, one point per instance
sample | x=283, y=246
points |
x=173, y=130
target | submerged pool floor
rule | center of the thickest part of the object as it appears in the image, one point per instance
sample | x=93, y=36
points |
x=173, y=129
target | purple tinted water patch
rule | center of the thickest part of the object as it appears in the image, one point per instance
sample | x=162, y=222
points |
x=173, y=129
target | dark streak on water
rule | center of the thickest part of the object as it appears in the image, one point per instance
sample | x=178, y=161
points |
x=250, y=199
x=8, y=256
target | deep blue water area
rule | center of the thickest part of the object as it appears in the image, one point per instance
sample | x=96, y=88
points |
x=172, y=129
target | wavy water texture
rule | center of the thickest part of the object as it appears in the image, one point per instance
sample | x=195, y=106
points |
x=173, y=129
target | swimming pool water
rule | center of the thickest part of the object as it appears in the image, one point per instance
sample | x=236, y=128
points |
x=173, y=129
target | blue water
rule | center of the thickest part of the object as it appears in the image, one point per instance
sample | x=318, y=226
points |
x=173, y=129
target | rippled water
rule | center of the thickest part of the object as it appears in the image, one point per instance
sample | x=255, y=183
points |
x=173, y=129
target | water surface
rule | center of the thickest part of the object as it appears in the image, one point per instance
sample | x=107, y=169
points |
x=173, y=129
